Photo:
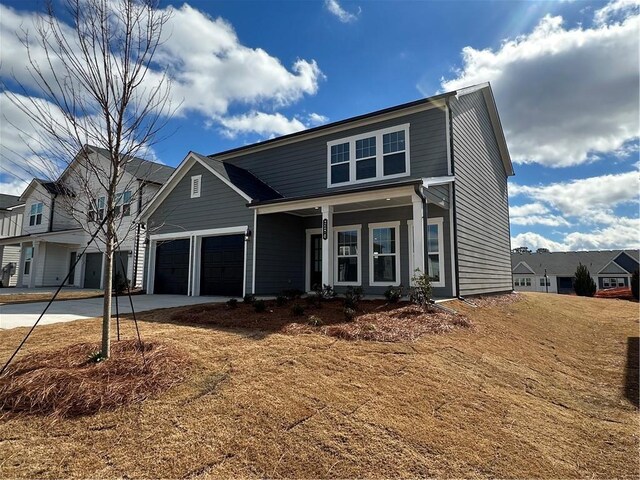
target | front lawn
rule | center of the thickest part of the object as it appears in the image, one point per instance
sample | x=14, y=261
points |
x=542, y=387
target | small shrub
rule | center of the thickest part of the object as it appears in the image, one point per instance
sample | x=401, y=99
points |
x=232, y=303
x=297, y=310
x=292, y=293
x=349, y=314
x=584, y=285
x=281, y=300
x=248, y=298
x=324, y=292
x=393, y=294
x=315, y=321
x=634, y=285
x=259, y=306
x=352, y=297
x=421, y=291
x=95, y=357
x=120, y=284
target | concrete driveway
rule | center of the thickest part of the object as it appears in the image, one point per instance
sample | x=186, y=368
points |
x=26, y=314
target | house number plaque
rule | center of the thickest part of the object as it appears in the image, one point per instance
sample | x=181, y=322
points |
x=325, y=228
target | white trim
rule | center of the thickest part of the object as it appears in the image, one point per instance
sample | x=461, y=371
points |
x=439, y=221
x=345, y=228
x=412, y=267
x=379, y=155
x=255, y=242
x=371, y=227
x=522, y=262
x=433, y=181
x=210, y=232
x=196, y=264
x=244, y=267
x=190, y=267
x=151, y=265
x=452, y=252
x=307, y=270
x=332, y=200
x=613, y=260
x=196, y=181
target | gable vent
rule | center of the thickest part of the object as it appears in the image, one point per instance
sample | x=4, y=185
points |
x=196, y=186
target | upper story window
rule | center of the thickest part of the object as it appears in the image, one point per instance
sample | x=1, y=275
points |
x=123, y=204
x=96, y=212
x=369, y=156
x=35, y=215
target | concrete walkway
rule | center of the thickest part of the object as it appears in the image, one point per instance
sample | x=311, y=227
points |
x=26, y=314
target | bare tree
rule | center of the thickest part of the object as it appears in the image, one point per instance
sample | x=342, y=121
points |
x=94, y=81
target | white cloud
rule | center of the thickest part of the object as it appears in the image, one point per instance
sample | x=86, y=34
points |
x=264, y=124
x=535, y=241
x=336, y=9
x=611, y=10
x=547, y=220
x=13, y=186
x=586, y=197
x=565, y=94
x=316, y=119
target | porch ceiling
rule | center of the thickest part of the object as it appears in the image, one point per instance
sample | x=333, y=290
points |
x=356, y=206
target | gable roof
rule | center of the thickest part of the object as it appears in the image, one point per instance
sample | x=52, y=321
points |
x=140, y=168
x=565, y=263
x=522, y=268
x=8, y=201
x=243, y=182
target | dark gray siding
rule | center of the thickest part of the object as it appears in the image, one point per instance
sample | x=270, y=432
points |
x=301, y=168
x=280, y=253
x=282, y=241
x=218, y=206
x=626, y=262
x=482, y=205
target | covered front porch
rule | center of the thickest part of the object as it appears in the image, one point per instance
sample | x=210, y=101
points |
x=373, y=238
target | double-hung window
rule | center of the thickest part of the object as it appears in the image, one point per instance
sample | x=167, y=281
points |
x=123, y=204
x=384, y=245
x=347, y=267
x=35, y=214
x=542, y=282
x=435, y=250
x=369, y=156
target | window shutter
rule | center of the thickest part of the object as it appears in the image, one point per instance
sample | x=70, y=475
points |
x=196, y=184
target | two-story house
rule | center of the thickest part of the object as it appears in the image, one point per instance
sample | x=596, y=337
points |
x=11, y=211
x=60, y=217
x=360, y=202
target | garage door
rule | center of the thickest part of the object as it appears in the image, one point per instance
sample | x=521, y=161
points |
x=222, y=267
x=92, y=270
x=172, y=267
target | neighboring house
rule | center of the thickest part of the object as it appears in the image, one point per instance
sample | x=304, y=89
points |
x=11, y=211
x=608, y=268
x=360, y=202
x=58, y=217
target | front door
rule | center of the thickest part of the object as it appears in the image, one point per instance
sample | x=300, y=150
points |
x=315, y=261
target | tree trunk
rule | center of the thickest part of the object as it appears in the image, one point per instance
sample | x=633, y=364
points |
x=107, y=284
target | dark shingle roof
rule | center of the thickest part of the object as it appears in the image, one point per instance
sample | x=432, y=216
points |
x=55, y=188
x=565, y=263
x=7, y=201
x=142, y=169
x=244, y=180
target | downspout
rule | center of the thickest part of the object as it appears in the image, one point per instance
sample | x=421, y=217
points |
x=453, y=201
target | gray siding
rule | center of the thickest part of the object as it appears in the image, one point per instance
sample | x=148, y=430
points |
x=482, y=205
x=9, y=255
x=280, y=253
x=281, y=256
x=301, y=168
x=522, y=269
x=217, y=207
x=56, y=264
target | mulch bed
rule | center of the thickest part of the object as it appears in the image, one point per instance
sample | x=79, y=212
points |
x=374, y=320
x=65, y=383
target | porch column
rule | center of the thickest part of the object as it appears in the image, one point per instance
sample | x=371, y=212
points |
x=418, y=234
x=20, y=266
x=327, y=245
x=35, y=263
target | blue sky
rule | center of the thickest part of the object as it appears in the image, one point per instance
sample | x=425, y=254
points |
x=565, y=77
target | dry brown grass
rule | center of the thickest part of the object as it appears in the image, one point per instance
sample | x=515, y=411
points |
x=375, y=320
x=67, y=383
x=66, y=294
x=539, y=388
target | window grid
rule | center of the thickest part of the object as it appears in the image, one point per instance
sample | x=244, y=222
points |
x=347, y=266
x=35, y=214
